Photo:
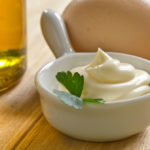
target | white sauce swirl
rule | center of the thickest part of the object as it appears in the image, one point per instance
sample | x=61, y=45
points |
x=112, y=80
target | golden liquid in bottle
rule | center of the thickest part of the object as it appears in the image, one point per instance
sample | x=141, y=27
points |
x=12, y=42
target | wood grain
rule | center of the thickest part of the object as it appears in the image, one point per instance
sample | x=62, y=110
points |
x=44, y=136
x=22, y=125
x=20, y=107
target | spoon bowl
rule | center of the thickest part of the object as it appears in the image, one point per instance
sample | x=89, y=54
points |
x=94, y=122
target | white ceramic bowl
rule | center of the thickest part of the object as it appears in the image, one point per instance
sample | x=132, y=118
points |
x=94, y=122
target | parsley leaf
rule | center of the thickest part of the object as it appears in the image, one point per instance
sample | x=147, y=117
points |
x=69, y=99
x=90, y=100
x=73, y=83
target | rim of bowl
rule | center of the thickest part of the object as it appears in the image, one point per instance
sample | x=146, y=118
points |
x=130, y=100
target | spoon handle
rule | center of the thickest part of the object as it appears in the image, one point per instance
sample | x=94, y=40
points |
x=55, y=34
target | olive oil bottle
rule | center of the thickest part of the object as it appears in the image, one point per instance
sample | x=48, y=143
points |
x=12, y=42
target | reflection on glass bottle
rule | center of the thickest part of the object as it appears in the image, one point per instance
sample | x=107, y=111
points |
x=12, y=42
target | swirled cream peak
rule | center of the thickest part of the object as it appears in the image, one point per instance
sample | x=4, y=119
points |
x=111, y=79
x=108, y=70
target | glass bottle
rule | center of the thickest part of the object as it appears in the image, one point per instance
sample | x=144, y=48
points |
x=12, y=42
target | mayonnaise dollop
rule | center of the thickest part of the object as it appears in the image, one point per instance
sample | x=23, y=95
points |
x=112, y=80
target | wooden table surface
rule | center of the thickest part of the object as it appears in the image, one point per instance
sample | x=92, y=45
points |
x=22, y=124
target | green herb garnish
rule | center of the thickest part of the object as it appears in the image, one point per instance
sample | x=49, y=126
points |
x=90, y=100
x=69, y=99
x=74, y=84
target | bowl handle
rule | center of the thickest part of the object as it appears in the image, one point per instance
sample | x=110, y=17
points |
x=55, y=34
